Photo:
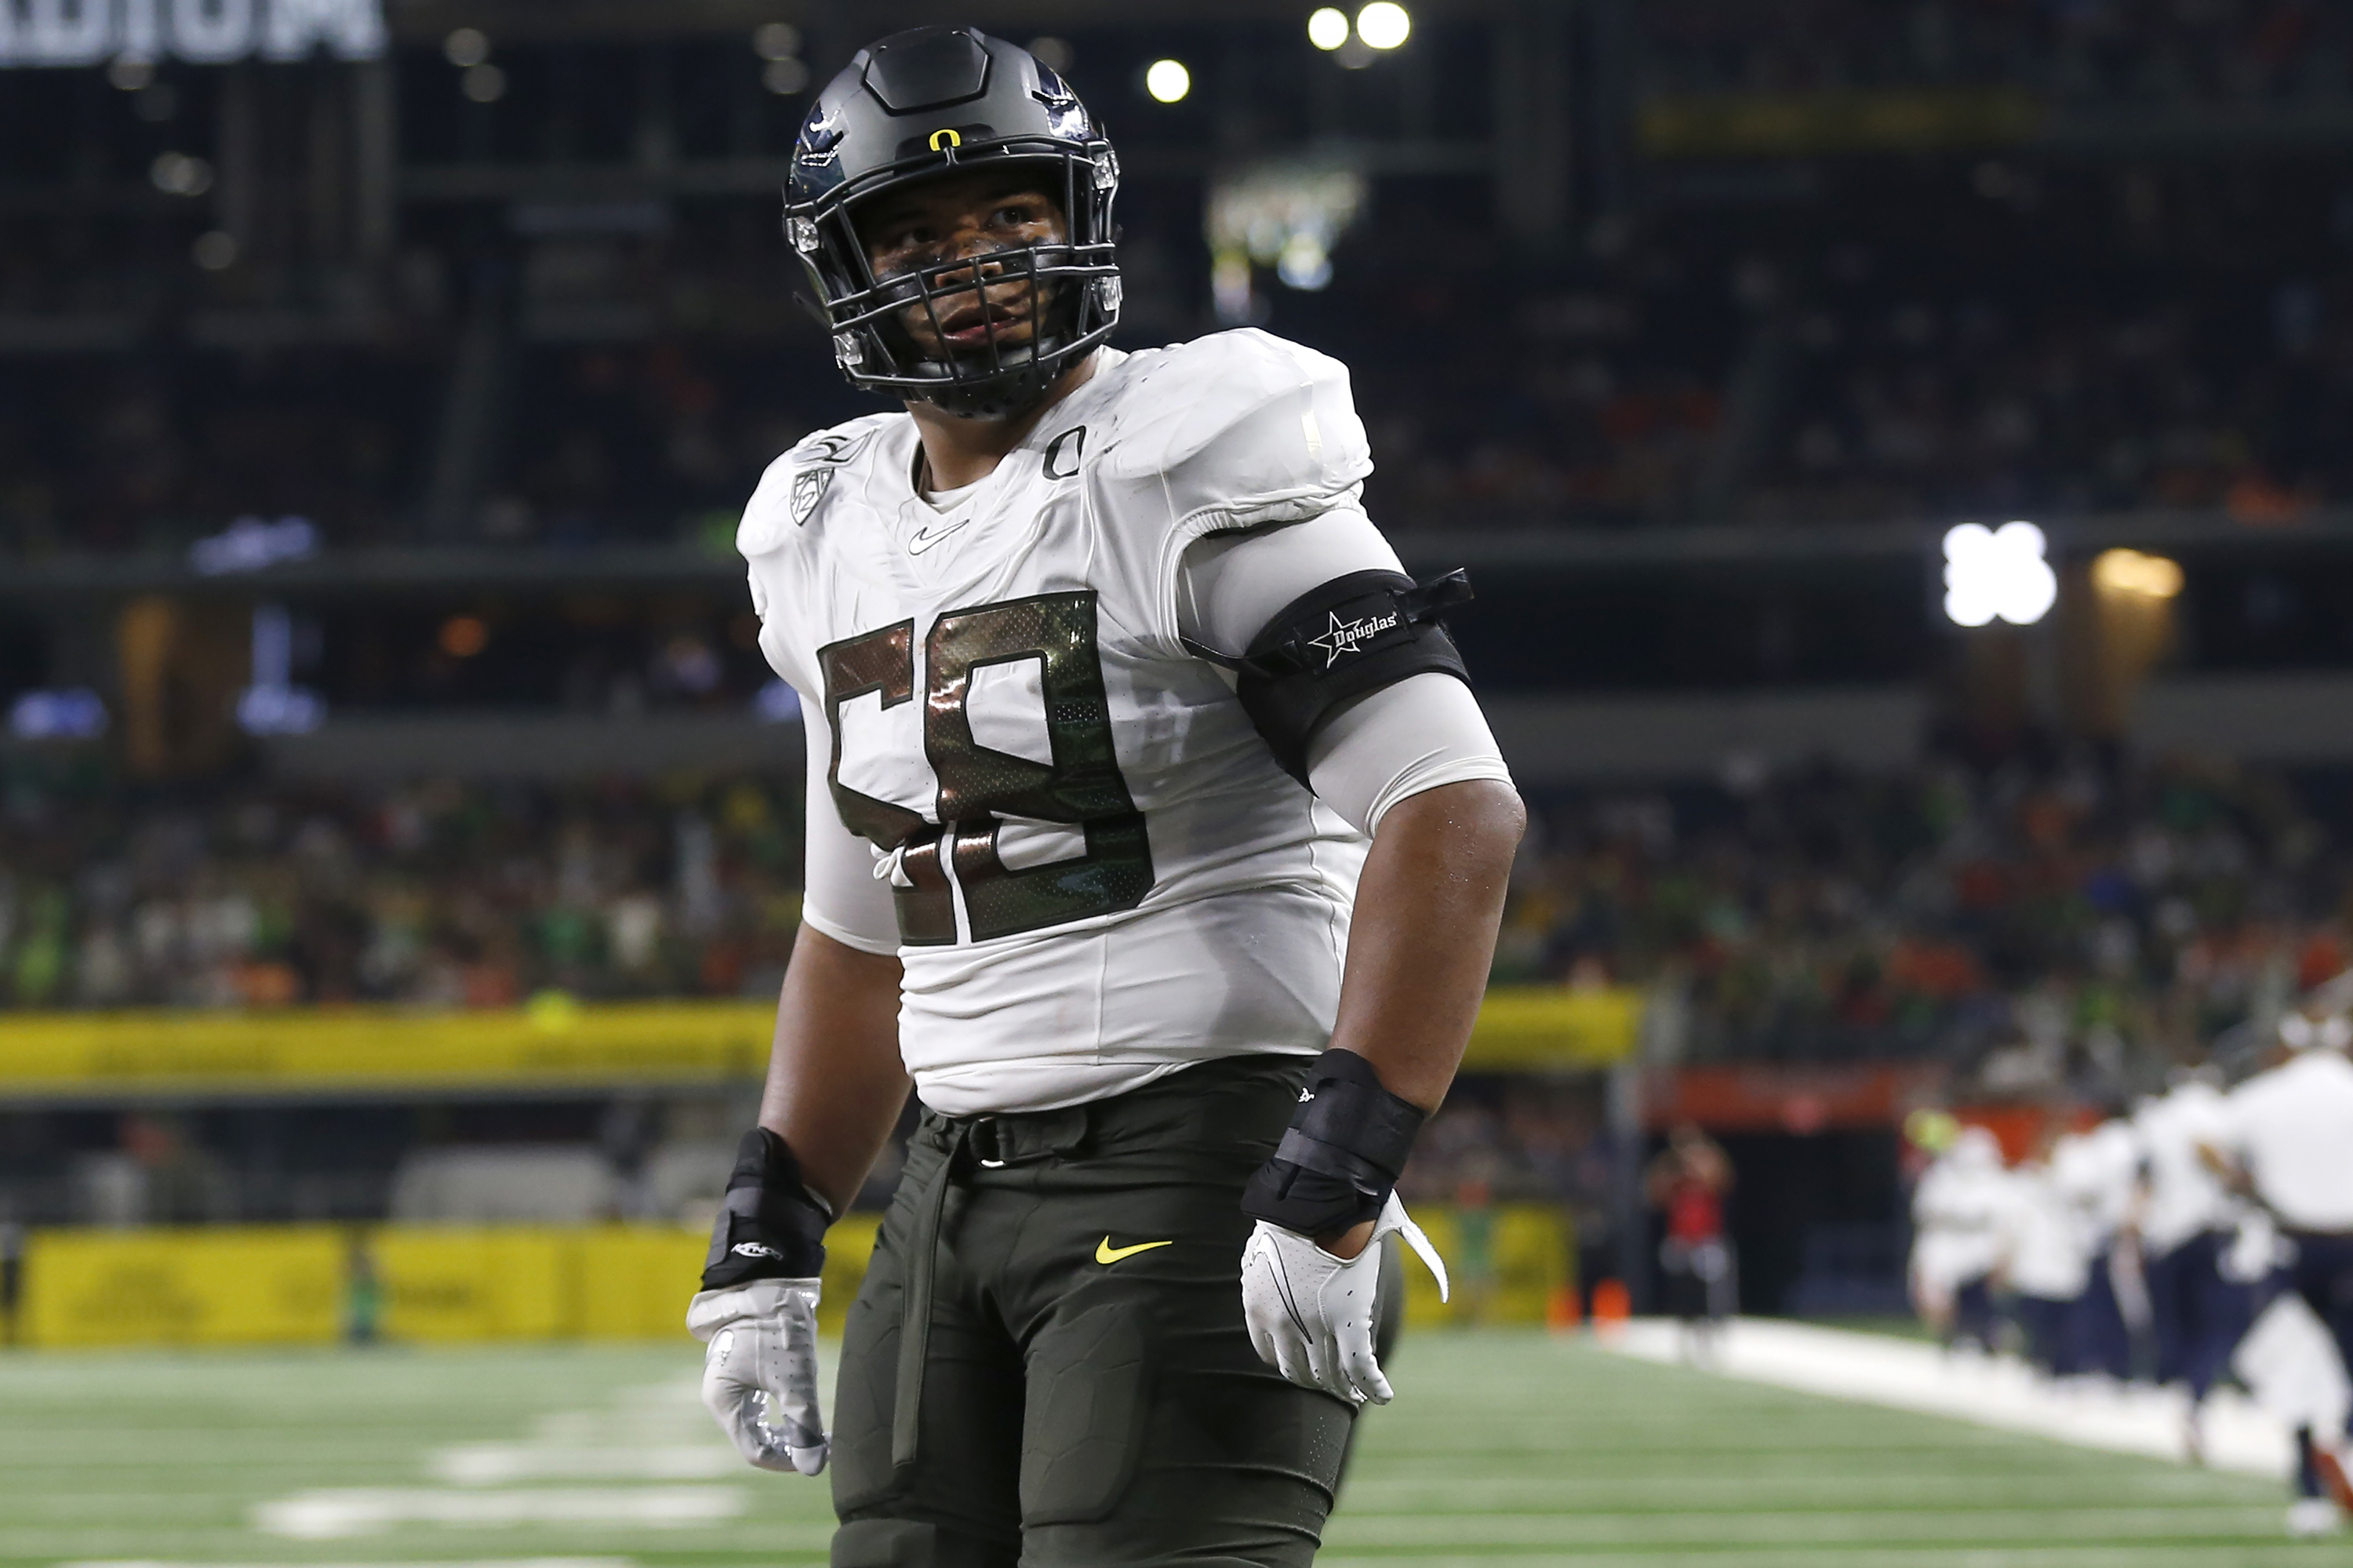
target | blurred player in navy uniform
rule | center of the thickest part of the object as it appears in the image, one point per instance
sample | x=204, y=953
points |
x=2047, y=1264
x=2284, y=1138
x=2185, y=1219
x=2099, y=1170
x=1154, y=834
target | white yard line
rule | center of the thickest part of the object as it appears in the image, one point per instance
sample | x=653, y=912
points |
x=2287, y=1554
x=1906, y=1374
x=651, y=1435
x=499, y=1464
x=331, y=1514
x=434, y=1563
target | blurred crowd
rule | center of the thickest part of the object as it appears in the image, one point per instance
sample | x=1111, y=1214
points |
x=2070, y=926
x=1802, y=338
x=2066, y=926
x=1669, y=376
x=438, y=896
x=2095, y=50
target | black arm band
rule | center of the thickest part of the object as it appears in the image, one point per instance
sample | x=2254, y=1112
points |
x=771, y=1226
x=1346, y=1147
x=1331, y=644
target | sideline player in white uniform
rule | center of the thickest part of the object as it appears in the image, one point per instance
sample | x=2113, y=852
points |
x=1149, y=811
x=1957, y=1219
x=2185, y=1221
x=2285, y=1139
x=2047, y=1264
x=2099, y=1170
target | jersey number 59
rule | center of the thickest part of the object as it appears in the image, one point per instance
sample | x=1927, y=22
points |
x=978, y=786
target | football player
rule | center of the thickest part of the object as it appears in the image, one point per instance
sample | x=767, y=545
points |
x=2284, y=1139
x=1956, y=1216
x=2046, y=1262
x=2183, y=1220
x=2098, y=1172
x=1154, y=832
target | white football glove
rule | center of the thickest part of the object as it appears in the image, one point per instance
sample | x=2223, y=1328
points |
x=763, y=1340
x=1311, y=1315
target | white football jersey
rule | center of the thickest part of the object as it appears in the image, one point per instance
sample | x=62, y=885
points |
x=2182, y=1197
x=1956, y=1216
x=1099, y=872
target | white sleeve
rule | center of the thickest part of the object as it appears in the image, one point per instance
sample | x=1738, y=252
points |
x=1231, y=585
x=1424, y=731
x=839, y=893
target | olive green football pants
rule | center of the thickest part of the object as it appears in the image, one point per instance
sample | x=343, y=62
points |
x=1047, y=1364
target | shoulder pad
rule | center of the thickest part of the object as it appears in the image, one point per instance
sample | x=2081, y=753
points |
x=1241, y=424
x=797, y=483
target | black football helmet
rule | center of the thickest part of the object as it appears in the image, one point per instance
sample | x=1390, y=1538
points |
x=915, y=105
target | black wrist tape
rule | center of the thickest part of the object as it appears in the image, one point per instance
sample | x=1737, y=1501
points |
x=771, y=1226
x=1345, y=1149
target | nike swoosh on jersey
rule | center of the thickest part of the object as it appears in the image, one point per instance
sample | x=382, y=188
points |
x=923, y=539
x=1106, y=1253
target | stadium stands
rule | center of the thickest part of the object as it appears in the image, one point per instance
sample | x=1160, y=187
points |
x=2006, y=317
x=2019, y=921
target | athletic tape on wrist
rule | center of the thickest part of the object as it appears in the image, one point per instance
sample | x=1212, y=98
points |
x=1343, y=1152
x=770, y=1226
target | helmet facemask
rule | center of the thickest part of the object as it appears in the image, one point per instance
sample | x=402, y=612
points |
x=1071, y=285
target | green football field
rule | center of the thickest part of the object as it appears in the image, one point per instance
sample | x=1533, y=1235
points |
x=1515, y=1449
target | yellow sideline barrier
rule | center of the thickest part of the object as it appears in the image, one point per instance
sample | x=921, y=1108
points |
x=294, y=1285
x=420, y=1284
x=556, y=1043
x=1508, y=1264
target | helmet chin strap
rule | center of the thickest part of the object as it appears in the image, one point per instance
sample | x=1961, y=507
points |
x=1003, y=408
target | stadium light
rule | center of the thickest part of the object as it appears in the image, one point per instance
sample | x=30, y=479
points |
x=272, y=705
x=1168, y=81
x=2142, y=576
x=177, y=174
x=776, y=40
x=777, y=703
x=466, y=47
x=1304, y=262
x=249, y=545
x=463, y=636
x=1383, y=24
x=75, y=714
x=484, y=83
x=1327, y=28
x=1998, y=574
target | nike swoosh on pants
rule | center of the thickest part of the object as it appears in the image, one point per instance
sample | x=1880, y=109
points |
x=1106, y=1253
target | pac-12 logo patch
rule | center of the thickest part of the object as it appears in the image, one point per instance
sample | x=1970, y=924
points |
x=819, y=456
x=809, y=488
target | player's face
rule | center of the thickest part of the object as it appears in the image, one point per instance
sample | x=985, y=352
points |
x=975, y=217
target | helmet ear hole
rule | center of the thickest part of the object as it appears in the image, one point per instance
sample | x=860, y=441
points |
x=877, y=128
